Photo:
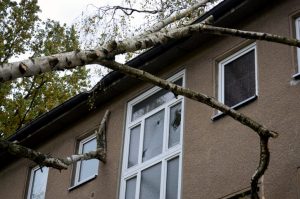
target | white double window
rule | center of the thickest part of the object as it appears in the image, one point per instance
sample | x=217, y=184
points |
x=297, y=25
x=238, y=77
x=86, y=169
x=37, y=183
x=153, y=145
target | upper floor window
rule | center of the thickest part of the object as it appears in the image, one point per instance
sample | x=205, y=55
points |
x=298, y=37
x=86, y=169
x=237, y=77
x=37, y=183
x=153, y=145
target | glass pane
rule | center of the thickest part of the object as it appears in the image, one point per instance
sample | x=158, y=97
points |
x=150, y=182
x=172, y=178
x=134, y=146
x=39, y=183
x=175, y=125
x=130, y=188
x=153, y=137
x=88, y=168
x=239, y=79
x=153, y=102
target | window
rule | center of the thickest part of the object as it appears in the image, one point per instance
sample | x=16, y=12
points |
x=86, y=169
x=298, y=37
x=153, y=145
x=37, y=183
x=237, y=77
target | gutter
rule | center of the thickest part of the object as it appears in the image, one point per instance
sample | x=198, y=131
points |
x=217, y=12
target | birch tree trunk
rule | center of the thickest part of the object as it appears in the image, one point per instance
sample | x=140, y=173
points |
x=73, y=59
x=105, y=56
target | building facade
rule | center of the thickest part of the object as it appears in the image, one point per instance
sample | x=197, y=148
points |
x=163, y=146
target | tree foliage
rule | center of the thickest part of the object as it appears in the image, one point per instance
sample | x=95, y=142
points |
x=25, y=99
x=131, y=17
x=106, y=51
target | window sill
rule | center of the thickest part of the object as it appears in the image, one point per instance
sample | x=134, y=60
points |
x=220, y=115
x=82, y=182
x=296, y=76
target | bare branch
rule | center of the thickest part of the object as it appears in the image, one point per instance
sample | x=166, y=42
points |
x=101, y=133
x=63, y=61
x=36, y=90
x=260, y=129
x=128, y=11
x=58, y=163
x=262, y=167
x=37, y=157
x=177, y=16
x=249, y=35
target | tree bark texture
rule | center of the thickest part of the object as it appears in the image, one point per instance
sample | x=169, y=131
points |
x=60, y=163
x=177, y=16
x=260, y=129
x=263, y=132
x=68, y=60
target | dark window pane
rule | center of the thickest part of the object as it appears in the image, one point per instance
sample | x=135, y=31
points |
x=150, y=182
x=239, y=79
x=175, y=125
x=130, y=188
x=172, y=178
x=153, y=136
x=153, y=102
x=134, y=146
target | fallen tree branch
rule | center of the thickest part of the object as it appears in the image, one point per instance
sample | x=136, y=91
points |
x=262, y=167
x=101, y=133
x=175, y=17
x=260, y=129
x=128, y=11
x=58, y=163
x=68, y=60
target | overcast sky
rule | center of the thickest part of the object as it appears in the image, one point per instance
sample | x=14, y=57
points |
x=66, y=11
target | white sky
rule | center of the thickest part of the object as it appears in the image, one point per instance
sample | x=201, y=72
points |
x=66, y=11
x=69, y=11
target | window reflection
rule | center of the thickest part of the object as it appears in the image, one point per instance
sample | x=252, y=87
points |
x=38, y=183
x=153, y=140
x=153, y=102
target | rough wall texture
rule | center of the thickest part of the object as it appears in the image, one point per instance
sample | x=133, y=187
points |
x=220, y=156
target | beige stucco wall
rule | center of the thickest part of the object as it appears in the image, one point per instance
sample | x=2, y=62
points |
x=220, y=156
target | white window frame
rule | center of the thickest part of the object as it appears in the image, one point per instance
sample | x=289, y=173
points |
x=297, y=26
x=229, y=59
x=31, y=181
x=78, y=164
x=167, y=153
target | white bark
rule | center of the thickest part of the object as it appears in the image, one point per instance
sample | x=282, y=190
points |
x=59, y=163
x=175, y=17
x=263, y=132
x=73, y=59
x=260, y=129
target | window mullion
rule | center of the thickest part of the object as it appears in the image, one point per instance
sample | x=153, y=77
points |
x=142, y=132
x=163, y=179
x=298, y=37
x=78, y=164
x=221, y=83
x=255, y=70
x=179, y=175
x=138, y=185
x=166, y=129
